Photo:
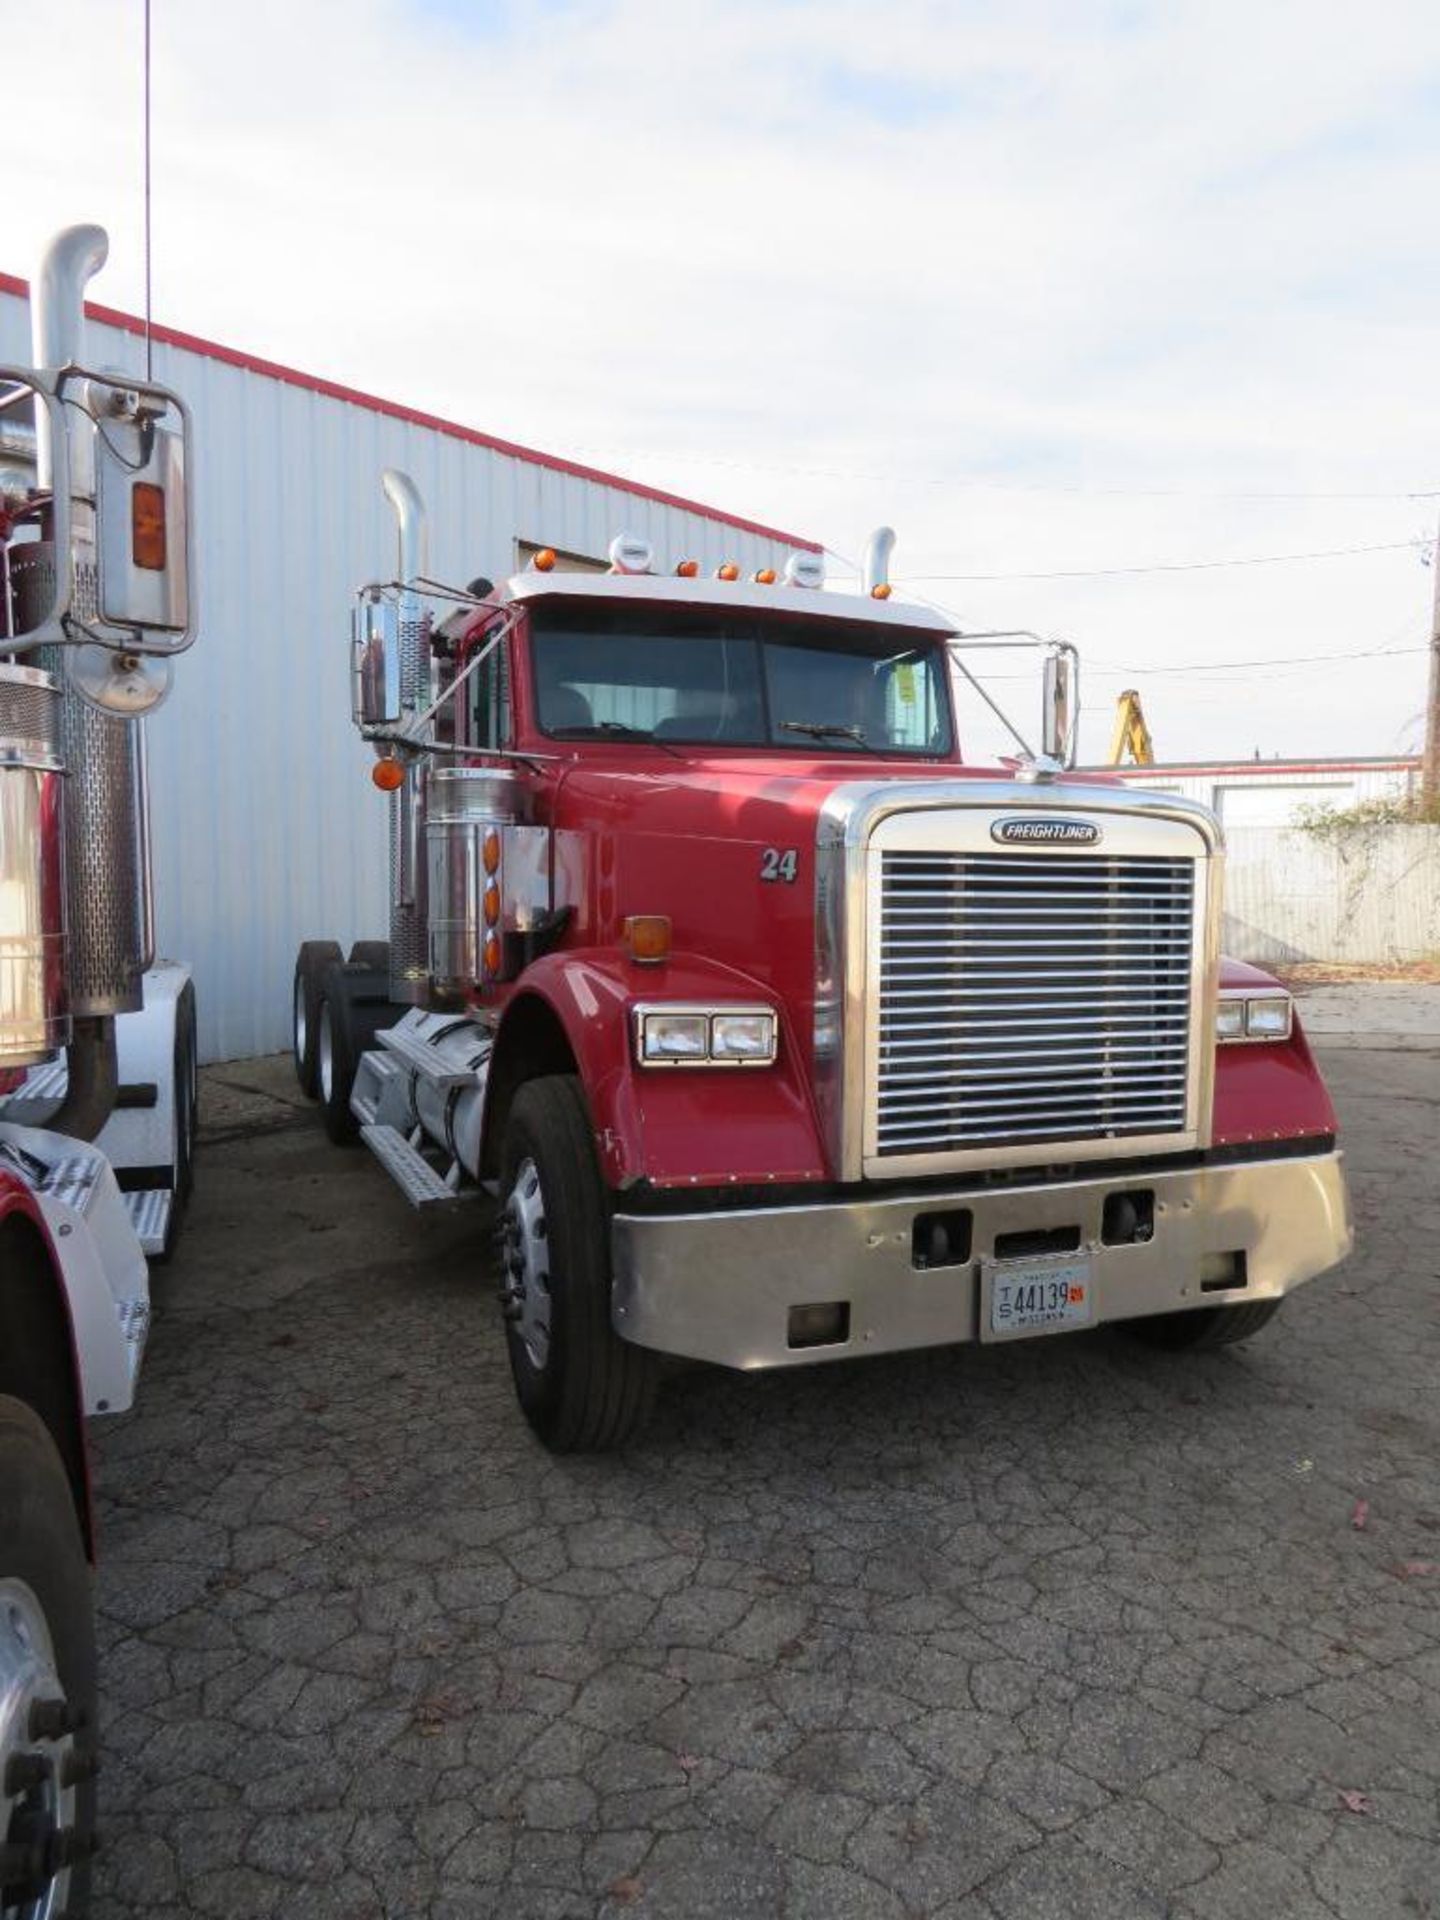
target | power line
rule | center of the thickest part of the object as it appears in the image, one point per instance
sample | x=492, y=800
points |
x=1179, y=566
x=1225, y=666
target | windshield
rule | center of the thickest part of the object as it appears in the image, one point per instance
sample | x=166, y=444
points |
x=612, y=672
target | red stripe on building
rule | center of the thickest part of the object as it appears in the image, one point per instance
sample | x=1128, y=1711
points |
x=332, y=390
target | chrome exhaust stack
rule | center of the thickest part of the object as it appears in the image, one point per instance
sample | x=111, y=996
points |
x=409, y=919
x=877, y=559
x=106, y=834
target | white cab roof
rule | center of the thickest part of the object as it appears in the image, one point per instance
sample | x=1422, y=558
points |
x=727, y=596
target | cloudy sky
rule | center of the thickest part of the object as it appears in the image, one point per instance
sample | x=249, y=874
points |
x=1098, y=292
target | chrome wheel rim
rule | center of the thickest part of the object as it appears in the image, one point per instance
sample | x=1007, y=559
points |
x=37, y=1753
x=325, y=1051
x=302, y=1023
x=527, y=1264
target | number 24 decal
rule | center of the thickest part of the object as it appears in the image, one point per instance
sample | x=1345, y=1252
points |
x=778, y=863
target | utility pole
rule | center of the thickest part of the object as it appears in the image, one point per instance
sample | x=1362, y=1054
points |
x=1430, y=766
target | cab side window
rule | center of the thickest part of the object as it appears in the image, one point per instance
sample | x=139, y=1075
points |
x=490, y=702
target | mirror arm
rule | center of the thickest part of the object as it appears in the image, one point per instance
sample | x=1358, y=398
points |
x=994, y=706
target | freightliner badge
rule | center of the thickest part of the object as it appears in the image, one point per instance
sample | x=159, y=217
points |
x=1027, y=830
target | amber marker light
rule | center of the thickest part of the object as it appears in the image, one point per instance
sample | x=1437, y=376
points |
x=881, y=591
x=492, y=954
x=727, y=571
x=147, y=526
x=388, y=775
x=492, y=904
x=647, y=937
x=765, y=577
x=687, y=569
x=491, y=852
x=544, y=561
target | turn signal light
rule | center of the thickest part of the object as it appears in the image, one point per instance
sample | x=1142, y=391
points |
x=147, y=526
x=687, y=569
x=491, y=851
x=544, y=561
x=727, y=571
x=765, y=577
x=647, y=937
x=882, y=591
x=388, y=775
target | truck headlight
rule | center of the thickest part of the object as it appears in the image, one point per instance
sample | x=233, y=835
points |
x=743, y=1037
x=1254, y=1016
x=695, y=1036
x=668, y=1037
x=1268, y=1018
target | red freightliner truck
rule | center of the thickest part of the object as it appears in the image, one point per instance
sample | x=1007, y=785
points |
x=97, y=1041
x=779, y=1033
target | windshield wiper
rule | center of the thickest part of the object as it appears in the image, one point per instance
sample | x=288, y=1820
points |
x=614, y=730
x=824, y=730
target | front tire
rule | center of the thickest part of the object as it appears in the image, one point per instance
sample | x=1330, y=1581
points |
x=47, y=1678
x=582, y=1388
x=1205, y=1327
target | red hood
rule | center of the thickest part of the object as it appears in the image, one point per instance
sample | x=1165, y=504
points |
x=693, y=837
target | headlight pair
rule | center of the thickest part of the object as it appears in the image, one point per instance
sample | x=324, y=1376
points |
x=695, y=1036
x=1253, y=1016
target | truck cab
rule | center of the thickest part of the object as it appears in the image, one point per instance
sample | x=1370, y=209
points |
x=781, y=1034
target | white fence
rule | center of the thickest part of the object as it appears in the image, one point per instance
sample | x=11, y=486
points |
x=1365, y=896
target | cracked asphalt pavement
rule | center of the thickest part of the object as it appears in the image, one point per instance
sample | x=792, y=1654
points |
x=1065, y=1628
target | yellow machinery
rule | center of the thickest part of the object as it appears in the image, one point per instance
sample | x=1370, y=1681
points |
x=1131, y=733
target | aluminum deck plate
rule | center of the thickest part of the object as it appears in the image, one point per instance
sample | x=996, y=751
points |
x=150, y=1216
x=411, y=1171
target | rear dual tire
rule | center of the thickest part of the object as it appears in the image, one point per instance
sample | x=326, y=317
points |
x=185, y=1094
x=354, y=1006
x=310, y=964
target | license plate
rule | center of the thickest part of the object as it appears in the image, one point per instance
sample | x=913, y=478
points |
x=1037, y=1296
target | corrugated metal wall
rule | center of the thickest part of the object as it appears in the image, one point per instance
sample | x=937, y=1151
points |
x=1272, y=795
x=267, y=829
x=1365, y=895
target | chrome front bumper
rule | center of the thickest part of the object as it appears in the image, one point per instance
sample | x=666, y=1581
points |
x=721, y=1286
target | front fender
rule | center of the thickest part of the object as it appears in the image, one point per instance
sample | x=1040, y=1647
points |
x=675, y=1126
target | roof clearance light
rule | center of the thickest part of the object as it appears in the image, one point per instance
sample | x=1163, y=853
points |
x=687, y=569
x=388, y=774
x=804, y=570
x=544, y=561
x=727, y=570
x=630, y=554
x=881, y=591
x=765, y=576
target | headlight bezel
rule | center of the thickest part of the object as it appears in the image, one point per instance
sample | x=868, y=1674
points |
x=710, y=1011
x=1244, y=999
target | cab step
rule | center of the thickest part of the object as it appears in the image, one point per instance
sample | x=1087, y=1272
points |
x=149, y=1211
x=421, y=1185
x=424, y=1060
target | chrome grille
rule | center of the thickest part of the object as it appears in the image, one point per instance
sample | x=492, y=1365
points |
x=1025, y=998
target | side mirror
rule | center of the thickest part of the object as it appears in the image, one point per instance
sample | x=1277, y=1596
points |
x=1060, y=719
x=143, y=511
x=375, y=664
